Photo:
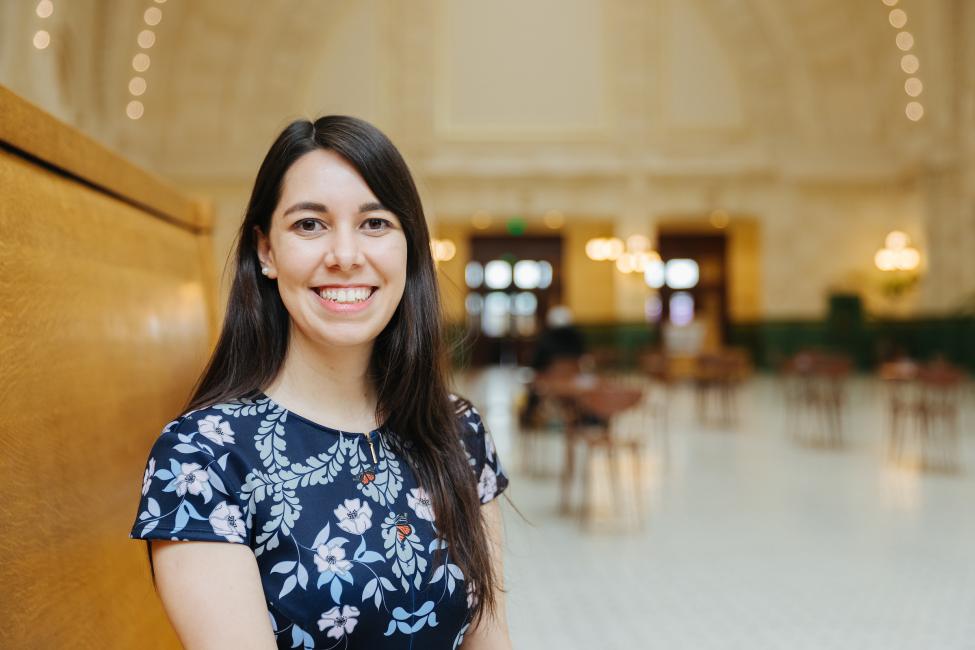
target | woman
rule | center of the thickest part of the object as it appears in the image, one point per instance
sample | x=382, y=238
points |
x=321, y=444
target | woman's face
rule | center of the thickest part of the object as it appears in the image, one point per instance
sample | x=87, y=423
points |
x=338, y=255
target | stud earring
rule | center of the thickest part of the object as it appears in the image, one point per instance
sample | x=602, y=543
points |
x=264, y=270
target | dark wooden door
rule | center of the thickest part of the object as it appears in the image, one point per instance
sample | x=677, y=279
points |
x=513, y=343
x=710, y=295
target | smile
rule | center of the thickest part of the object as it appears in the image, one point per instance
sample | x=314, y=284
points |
x=345, y=294
x=345, y=298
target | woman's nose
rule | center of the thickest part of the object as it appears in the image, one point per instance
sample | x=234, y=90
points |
x=344, y=251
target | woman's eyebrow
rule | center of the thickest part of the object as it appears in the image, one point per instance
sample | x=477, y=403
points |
x=372, y=206
x=306, y=205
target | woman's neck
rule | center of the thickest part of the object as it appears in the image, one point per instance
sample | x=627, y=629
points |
x=326, y=385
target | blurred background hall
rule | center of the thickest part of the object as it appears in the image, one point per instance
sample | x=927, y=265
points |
x=708, y=266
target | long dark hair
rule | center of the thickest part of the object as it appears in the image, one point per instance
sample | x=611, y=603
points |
x=408, y=366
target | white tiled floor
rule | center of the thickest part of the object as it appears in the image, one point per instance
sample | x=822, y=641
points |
x=752, y=540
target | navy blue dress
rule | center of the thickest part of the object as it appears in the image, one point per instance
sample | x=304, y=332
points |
x=343, y=535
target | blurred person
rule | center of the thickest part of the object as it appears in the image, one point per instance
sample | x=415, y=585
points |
x=560, y=341
x=560, y=354
x=354, y=495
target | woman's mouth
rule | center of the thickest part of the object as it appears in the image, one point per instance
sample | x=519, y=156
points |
x=345, y=299
x=345, y=295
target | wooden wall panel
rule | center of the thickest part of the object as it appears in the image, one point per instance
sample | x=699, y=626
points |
x=106, y=318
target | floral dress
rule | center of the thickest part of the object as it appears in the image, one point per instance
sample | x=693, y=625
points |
x=343, y=536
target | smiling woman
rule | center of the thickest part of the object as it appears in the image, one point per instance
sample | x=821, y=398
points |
x=339, y=257
x=357, y=493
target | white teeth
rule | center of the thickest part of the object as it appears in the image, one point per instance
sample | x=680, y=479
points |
x=357, y=294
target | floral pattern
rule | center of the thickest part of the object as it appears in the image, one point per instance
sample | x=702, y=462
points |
x=345, y=542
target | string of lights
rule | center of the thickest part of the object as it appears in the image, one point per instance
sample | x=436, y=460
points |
x=146, y=38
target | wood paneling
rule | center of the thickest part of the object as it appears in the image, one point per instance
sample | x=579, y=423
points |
x=106, y=318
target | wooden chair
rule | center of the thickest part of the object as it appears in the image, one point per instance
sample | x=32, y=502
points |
x=717, y=378
x=598, y=426
x=816, y=397
x=923, y=403
x=940, y=394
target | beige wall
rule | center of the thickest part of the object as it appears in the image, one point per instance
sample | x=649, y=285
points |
x=645, y=110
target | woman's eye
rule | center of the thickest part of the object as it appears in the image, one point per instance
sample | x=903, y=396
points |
x=377, y=223
x=303, y=225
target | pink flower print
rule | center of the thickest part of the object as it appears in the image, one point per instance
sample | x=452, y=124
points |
x=191, y=479
x=339, y=623
x=216, y=430
x=227, y=521
x=419, y=500
x=354, y=516
x=147, y=478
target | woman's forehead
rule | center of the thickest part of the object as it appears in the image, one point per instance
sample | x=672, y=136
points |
x=323, y=174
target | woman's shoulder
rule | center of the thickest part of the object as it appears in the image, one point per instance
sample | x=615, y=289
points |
x=218, y=424
x=481, y=451
x=467, y=414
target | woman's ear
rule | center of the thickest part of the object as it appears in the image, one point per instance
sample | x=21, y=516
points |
x=264, y=254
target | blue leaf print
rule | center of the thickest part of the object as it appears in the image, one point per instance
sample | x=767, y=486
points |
x=186, y=449
x=370, y=556
x=174, y=467
x=216, y=481
x=182, y=517
x=370, y=589
x=391, y=628
x=318, y=470
x=425, y=609
x=400, y=614
x=321, y=537
x=460, y=636
x=360, y=550
x=163, y=474
x=438, y=574
x=222, y=461
x=191, y=511
x=283, y=567
x=152, y=506
x=289, y=584
x=152, y=524
x=302, y=576
x=336, y=591
x=270, y=440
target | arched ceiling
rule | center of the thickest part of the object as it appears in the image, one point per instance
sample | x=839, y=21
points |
x=816, y=83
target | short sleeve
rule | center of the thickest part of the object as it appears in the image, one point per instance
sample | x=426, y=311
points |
x=481, y=452
x=191, y=485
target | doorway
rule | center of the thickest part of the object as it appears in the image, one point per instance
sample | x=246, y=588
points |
x=706, y=302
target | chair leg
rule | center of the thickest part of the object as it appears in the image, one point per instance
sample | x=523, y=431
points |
x=616, y=483
x=568, y=473
x=585, y=503
x=636, y=450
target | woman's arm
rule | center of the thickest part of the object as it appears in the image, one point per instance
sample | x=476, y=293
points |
x=213, y=595
x=491, y=632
